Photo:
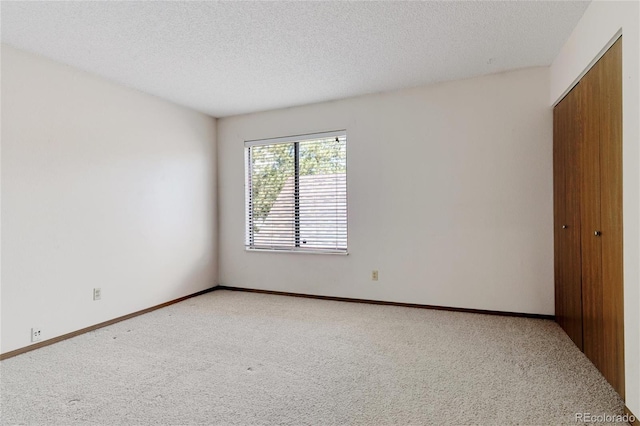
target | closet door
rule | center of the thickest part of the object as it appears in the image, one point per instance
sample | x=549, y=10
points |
x=592, y=290
x=610, y=82
x=566, y=180
x=588, y=215
x=601, y=217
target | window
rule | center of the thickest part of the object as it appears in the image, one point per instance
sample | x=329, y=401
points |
x=296, y=193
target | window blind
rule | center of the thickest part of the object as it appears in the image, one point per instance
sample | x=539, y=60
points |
x=296, y=193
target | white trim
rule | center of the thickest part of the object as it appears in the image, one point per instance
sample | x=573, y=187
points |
x=323, y=137
x=589, y=66
x=295, y=138
x=294, y=251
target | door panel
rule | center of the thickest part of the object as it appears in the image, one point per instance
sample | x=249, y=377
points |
x=592, y=307
x=567, y=269
x=560, y=124
x=610, y=82
x=572, y=237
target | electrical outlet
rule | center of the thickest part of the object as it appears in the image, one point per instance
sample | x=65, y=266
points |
x=36, y=334
x=97, y=294
x=374, y=275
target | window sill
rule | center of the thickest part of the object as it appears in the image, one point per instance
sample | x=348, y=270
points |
x=330, y=252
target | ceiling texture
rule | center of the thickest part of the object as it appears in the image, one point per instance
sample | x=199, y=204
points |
x=228, y=58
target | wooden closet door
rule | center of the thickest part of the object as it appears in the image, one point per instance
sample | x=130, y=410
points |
x=610, y=82
x=588, y=216
x=592, y=290
x=567, y=269
x=601, y=216
x=572, y=234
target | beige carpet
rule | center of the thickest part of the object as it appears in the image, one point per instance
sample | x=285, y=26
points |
x=234, y=358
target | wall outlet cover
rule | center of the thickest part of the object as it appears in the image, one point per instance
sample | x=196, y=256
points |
x=36, y=334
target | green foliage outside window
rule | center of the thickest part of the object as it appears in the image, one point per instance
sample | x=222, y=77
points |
x=273, y=165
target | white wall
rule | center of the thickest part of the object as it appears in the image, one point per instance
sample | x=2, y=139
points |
x=597, y=29
x=102, y=186
x=449, y=196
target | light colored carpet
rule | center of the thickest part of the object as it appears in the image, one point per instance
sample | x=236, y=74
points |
x=234, y=358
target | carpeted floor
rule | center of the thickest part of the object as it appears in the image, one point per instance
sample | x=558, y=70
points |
x=235, y=358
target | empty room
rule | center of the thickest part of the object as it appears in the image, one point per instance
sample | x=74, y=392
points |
x=320, y=213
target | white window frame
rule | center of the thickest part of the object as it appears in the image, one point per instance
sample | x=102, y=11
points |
x=248, y=172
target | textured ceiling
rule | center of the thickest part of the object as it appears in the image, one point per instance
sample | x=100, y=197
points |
x=226, y=58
